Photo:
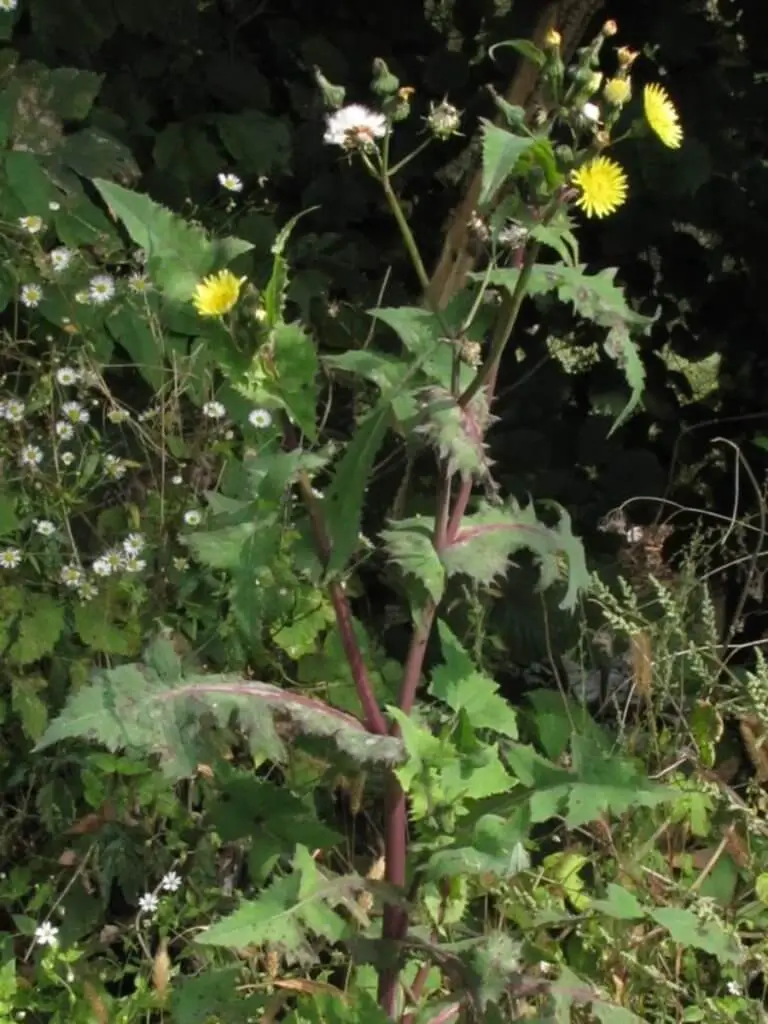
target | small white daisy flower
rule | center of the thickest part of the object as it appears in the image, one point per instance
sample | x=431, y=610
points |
x=133, y=564
x=148, y=903
x=67, y=376
x=46, y=934
x=31, y=294
x=114, y=467
x=64, y=431
x=114, y=558
x=355, y=127
x=260, y=418
x=193, y=517
x=170, y=882
x=734, y=988
x=10, y=558
x=31, y=224
x=134, y=544
x=180, y=564
x=138, y=283
x=102, y=567
x=140, y=256
x=86, y=591
x=8, y=5
x=45, y=527
x=177, y=479
x=83, y=297
x=75, y=413
x=101, y=288
x=214, y=410
x=71, y=576
x=54, y=206
x=230, y=182
x=30, y=455
x=67, y=458
x=60, y=258
x=13, y=410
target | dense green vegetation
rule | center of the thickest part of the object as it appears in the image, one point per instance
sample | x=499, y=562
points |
x=362, y=660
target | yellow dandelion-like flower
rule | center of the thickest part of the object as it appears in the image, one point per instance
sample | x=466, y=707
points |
x=617, y=91
x=217, y=294
x=661, y=115
x=603, y=185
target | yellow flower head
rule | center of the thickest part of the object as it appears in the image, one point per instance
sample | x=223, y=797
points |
x=661, y=115
x=603, y=185
x=553, y=39
x=217, y=294
x=617, y=91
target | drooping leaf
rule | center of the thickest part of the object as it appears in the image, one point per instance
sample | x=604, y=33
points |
x=501, y=153
x=133, y=708
x=487, y=540
x=524, y=47
x=620, y=347
x=462, y=687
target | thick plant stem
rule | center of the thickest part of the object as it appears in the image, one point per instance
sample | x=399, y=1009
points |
x=395, y=924
x=504, y=327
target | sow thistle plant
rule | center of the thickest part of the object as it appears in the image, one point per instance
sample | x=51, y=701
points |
x=460, y=795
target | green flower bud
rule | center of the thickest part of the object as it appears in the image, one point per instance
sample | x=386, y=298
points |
x=384, y=83
x=333, y=95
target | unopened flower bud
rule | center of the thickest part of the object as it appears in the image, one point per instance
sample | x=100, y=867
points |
x=594, y=82
x=610, y=28
x=444, y=120
x=591, y=112
x=553, y=39
x=333, y=95
x=617, y=91
x=384, y=83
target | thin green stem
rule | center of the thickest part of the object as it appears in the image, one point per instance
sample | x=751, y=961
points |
x=504, y=327
x=405, y=231
x=407, y=159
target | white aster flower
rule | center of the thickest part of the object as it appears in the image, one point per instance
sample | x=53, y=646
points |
x=31, y=224
x=177, y=479
x=138, y=283
x=101, y=288
x=75, y=413
x=134, y=544
x=10, y=558
x=102, y=567
x=118, y=415
x=133, y=564
x=148, y=903
x=193, y=517
x=12, y=410
x=54, y=206
x=230, y=182
x=45, y=527
x=8, y=5
x=170, y=882
x=71, y=575
x=67, y=458
x=67, y=376
x=31, y=294
x=86, y=590
x=355, y=127
x=260, y=418
x=114, y=467
x=60, y=258
x=180, y=564
x=214, y=410
x=734, y=988
x=30, y=455
x=82, y=298
x=46, y=934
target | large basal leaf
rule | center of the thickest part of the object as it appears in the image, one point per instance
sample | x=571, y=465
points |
x=151, y=707
x=459, y=684
x=487, y=540
x=501, y=153
x=180, y=254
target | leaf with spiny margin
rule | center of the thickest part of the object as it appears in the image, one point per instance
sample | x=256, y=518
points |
x=179, y=254
x=295, y=384
x=274, y=295
x=138, y=709
x=410, y=543
x=456, y=432
x=501, y=154
x=620, y=347
x=343, y=502
x=459, y=684
x=386, y=372
x=292, y=912
x=423, y=335
x=487, y=540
